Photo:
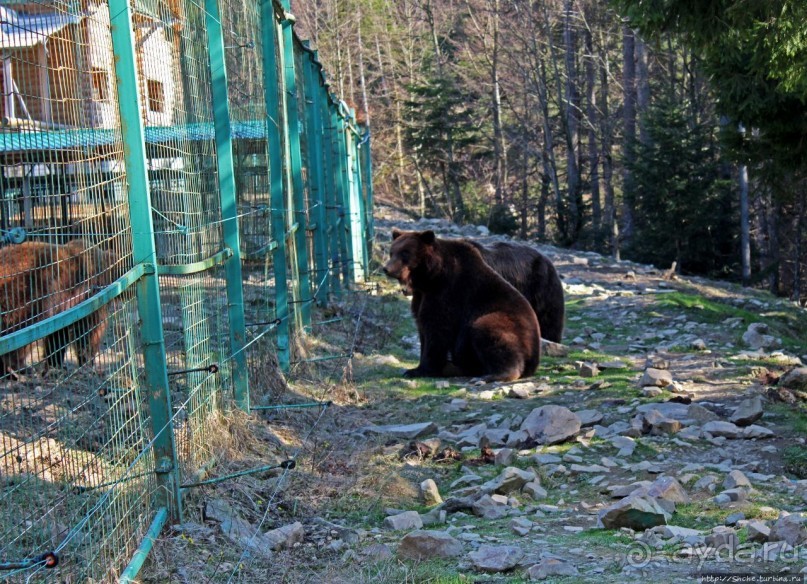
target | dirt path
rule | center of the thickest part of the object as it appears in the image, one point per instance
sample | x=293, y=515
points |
x=331, y=519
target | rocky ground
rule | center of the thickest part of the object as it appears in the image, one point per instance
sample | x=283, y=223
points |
x=664, y=439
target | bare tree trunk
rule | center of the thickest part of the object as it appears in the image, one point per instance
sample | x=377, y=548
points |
x=499, y=146
x=593, y=146
x=797, y=271
x=629, y=129
x=606, y=136
x=572, y=122
x=642, y=89
x=745, y=229
x=365, y=106
x=550, y=166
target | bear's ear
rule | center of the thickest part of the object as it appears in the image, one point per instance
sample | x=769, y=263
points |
x=396, y=233
x=427, y=237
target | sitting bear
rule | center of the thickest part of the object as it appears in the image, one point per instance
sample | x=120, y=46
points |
x=39, y=280
x=532, y=274
x=464, y=309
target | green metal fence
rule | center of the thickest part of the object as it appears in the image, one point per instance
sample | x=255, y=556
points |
x=178, y=188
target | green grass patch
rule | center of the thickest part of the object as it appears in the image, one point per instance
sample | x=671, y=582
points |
x=795, y=460
x=702, y=309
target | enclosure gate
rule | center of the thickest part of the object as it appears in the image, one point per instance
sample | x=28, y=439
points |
x=178, y=187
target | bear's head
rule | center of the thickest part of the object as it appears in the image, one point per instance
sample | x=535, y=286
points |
x=411, y=253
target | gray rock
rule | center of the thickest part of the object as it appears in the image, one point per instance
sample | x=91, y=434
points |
x=700, y=414
x=651, y=391
x=613, y=365
x=551, y=424
x=505, y=456
x=726, y=429
x=404, y=521
x=795, y=379
x=748, y=412
x=286, y=536
x=509, y=480
x=756, y=337
x=521, y=526
x=491, y=507
x=588, y=468
x=736, y=479
x=722, y=538
x=757, y=531
x=755, y=431
x=625, y=444
x=771, y=550
x=589, y=417
x=551, y=567
x=425, y=545
x=238, y=530
x=734, y=518
x=551, y=349
x=635, y=511
x=403, y=432
x=588, y=370
x=547, y=458
x=534, y=490
x=655, y=377
x=435, y=516
x=668, y=489
x=737, y=494
x=378, y=551
x=671, y=410
x=668, y=531
x=496, y=558
x=698, y=345
x=430, y=493
x=519, y=392
x=620, y=491
x=790, y=528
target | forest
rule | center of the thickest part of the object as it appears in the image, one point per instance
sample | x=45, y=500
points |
x=662, y=131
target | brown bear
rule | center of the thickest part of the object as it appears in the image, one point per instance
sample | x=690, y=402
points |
x=39, y=280
x=532, y=274
x=463, y=309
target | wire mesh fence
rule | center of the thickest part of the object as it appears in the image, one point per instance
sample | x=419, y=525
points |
x=177, y=187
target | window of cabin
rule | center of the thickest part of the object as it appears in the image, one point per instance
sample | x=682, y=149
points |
x=100, y=85
x=156, y=96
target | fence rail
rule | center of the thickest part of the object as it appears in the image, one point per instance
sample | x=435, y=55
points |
x=178, y=187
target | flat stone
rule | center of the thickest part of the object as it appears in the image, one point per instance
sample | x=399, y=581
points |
x=589, y=417
x=521, y=526
x=635, y=511
x=625, y=444
x=588, y=370
x=735, y=495
x=620, y=491
x=518, y=393
x=651, y=391
x=237, y=529
x=551, y=349
x=668, y=531
x=496, y=558
x=403, y=521
x=510, y=480
x=722, y=538
x=755, y=431
x=436, y=516
x=588, y=468
x=613, y=365
x=425, y=545
x=734, y=518
x=725, y=429
x=505, y=456
x=756, y=337
x=655, y=377
x=771, y=550
x=670, y=410
x=551, y=424
x=403, y=432
x=551, y=567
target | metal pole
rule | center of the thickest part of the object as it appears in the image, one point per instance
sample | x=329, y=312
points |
x=367, y=182
x=129, y=575
x=295, y=165
x=316, y=186
x=144, y=252
x=229, y=210
x=332, y=212
x=358, y=214
x=271, y=83
x=348, y=272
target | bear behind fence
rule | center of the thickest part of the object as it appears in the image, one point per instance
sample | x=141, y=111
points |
x=39, y=280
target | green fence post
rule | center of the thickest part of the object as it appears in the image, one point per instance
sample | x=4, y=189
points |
x=315, y=179
x=271, y=83
x=343, y=170
x=229, y=210
x=144, y=252
x=331, y=199
x=295, y=165
x=358, y=213
x=367, y=182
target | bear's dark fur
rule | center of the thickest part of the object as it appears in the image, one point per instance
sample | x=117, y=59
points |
x=532, y=274
x=464, y=309
x=39, y=280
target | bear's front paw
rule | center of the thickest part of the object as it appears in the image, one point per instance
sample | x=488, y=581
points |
x=416, y=372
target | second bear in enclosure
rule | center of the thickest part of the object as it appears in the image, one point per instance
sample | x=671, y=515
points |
x=532, y=274
x=39, y=280
x=464, y=309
